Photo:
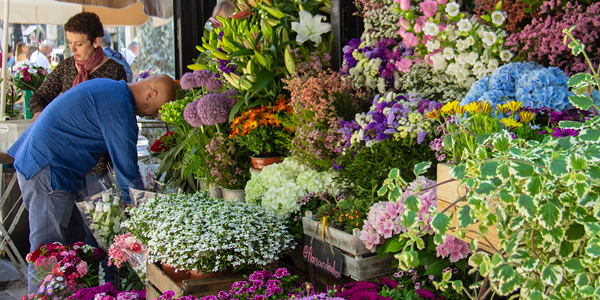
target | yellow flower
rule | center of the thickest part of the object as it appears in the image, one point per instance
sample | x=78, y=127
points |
x=503, y=108
x=473, y=107
x=486, y=107
x=514, y=105
x=510, y=123
x=449, y=108
x=459, y=109
x=434, y=114
x=526, y=116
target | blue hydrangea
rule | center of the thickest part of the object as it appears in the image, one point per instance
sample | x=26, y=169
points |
x=528, y=82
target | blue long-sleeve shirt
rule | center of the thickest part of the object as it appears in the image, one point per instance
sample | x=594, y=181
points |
x=73, y=131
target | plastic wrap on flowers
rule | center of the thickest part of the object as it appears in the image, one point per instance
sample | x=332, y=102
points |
x=127, y=248
x=102, y=211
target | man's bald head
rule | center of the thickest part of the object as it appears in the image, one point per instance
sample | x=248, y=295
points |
x=152, y=93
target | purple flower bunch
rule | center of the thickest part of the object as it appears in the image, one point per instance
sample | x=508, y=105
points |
x=107, y=292
x=454, y=247
x=201, y=79
x=261, y=285
x=211, y=109
x=385, y=218
x=392, y=115
x=364, y=290
x=224, y=169
x=362, y=61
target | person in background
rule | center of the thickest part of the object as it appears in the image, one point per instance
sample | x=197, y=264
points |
x=21, y=51
x=106, y=43
x=131, y=52
x=11, y=58
x=40, y=56
x=30, y=51
x=67, y=140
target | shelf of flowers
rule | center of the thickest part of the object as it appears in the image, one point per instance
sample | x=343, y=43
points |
x=359, y=262
x=448, y=193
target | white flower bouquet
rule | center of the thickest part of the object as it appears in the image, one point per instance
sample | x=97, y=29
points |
x=280, y=187
x=199, y=232
x=103, y=214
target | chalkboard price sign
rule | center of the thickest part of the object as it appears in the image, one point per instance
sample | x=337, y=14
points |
x=319, y=255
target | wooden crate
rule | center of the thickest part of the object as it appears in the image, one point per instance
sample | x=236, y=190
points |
x=359, y=262
x=450, y=192
x=159, y=282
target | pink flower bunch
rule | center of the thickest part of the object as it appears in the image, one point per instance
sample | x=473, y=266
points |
x=316, y=119
x=221, y=161
x=456, y=248
x=312, y=64
x=28, y=76
x=126, y=248
x=366, y=6
x=384, y=219
x=542, y=40
x=53, y=287
x=516, y=17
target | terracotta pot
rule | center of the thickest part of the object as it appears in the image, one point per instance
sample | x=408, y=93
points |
x=229, y=195
x=178, y=277
x=261, y=162
x=195, y=274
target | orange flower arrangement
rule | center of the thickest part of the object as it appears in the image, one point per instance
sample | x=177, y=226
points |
x=261, y=130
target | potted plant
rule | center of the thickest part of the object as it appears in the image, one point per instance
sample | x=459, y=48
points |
x=228, y=165
x=199, y=232
x=261, y=131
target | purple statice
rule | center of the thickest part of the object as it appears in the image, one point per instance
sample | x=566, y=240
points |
x=212, y=109
x=188, y=81
x=207, y=79
x=190, y=114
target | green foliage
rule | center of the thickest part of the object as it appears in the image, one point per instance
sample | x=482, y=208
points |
x=365, y=170
x=582, y=84
x=547, y=213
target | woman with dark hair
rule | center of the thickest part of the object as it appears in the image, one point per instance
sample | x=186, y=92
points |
x=83, y=33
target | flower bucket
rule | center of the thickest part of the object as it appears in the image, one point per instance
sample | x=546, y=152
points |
x=260, y=162
x=178, y=277
x=213, y=189
x=229, y=195
x=26, y=95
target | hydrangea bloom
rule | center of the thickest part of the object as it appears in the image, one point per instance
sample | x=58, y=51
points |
x=530, y=83
x=279, y=187
x=384, y=218
x=456, y=248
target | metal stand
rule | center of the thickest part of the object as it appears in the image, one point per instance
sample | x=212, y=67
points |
x=6, y=243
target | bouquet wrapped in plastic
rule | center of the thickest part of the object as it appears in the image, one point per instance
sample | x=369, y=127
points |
x=127, y=248
x=103, y=211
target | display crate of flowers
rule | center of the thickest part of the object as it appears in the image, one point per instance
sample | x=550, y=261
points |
x=198, y=236
x=359, y=262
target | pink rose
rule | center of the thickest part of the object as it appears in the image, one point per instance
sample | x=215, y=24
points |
x=410, y=40
x=404, y=4
x=429, y=7
x=403, y=65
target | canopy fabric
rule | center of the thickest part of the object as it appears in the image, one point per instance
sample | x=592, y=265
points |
x=155, y=8
x=58, y=12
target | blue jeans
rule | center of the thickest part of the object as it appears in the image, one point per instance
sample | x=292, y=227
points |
x=53, y=216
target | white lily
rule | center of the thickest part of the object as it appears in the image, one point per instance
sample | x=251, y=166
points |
x=310, y=28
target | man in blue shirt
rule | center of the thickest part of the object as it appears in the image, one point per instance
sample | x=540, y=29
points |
x=66, y=141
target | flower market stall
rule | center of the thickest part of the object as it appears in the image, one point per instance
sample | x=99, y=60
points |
x=454, y=155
